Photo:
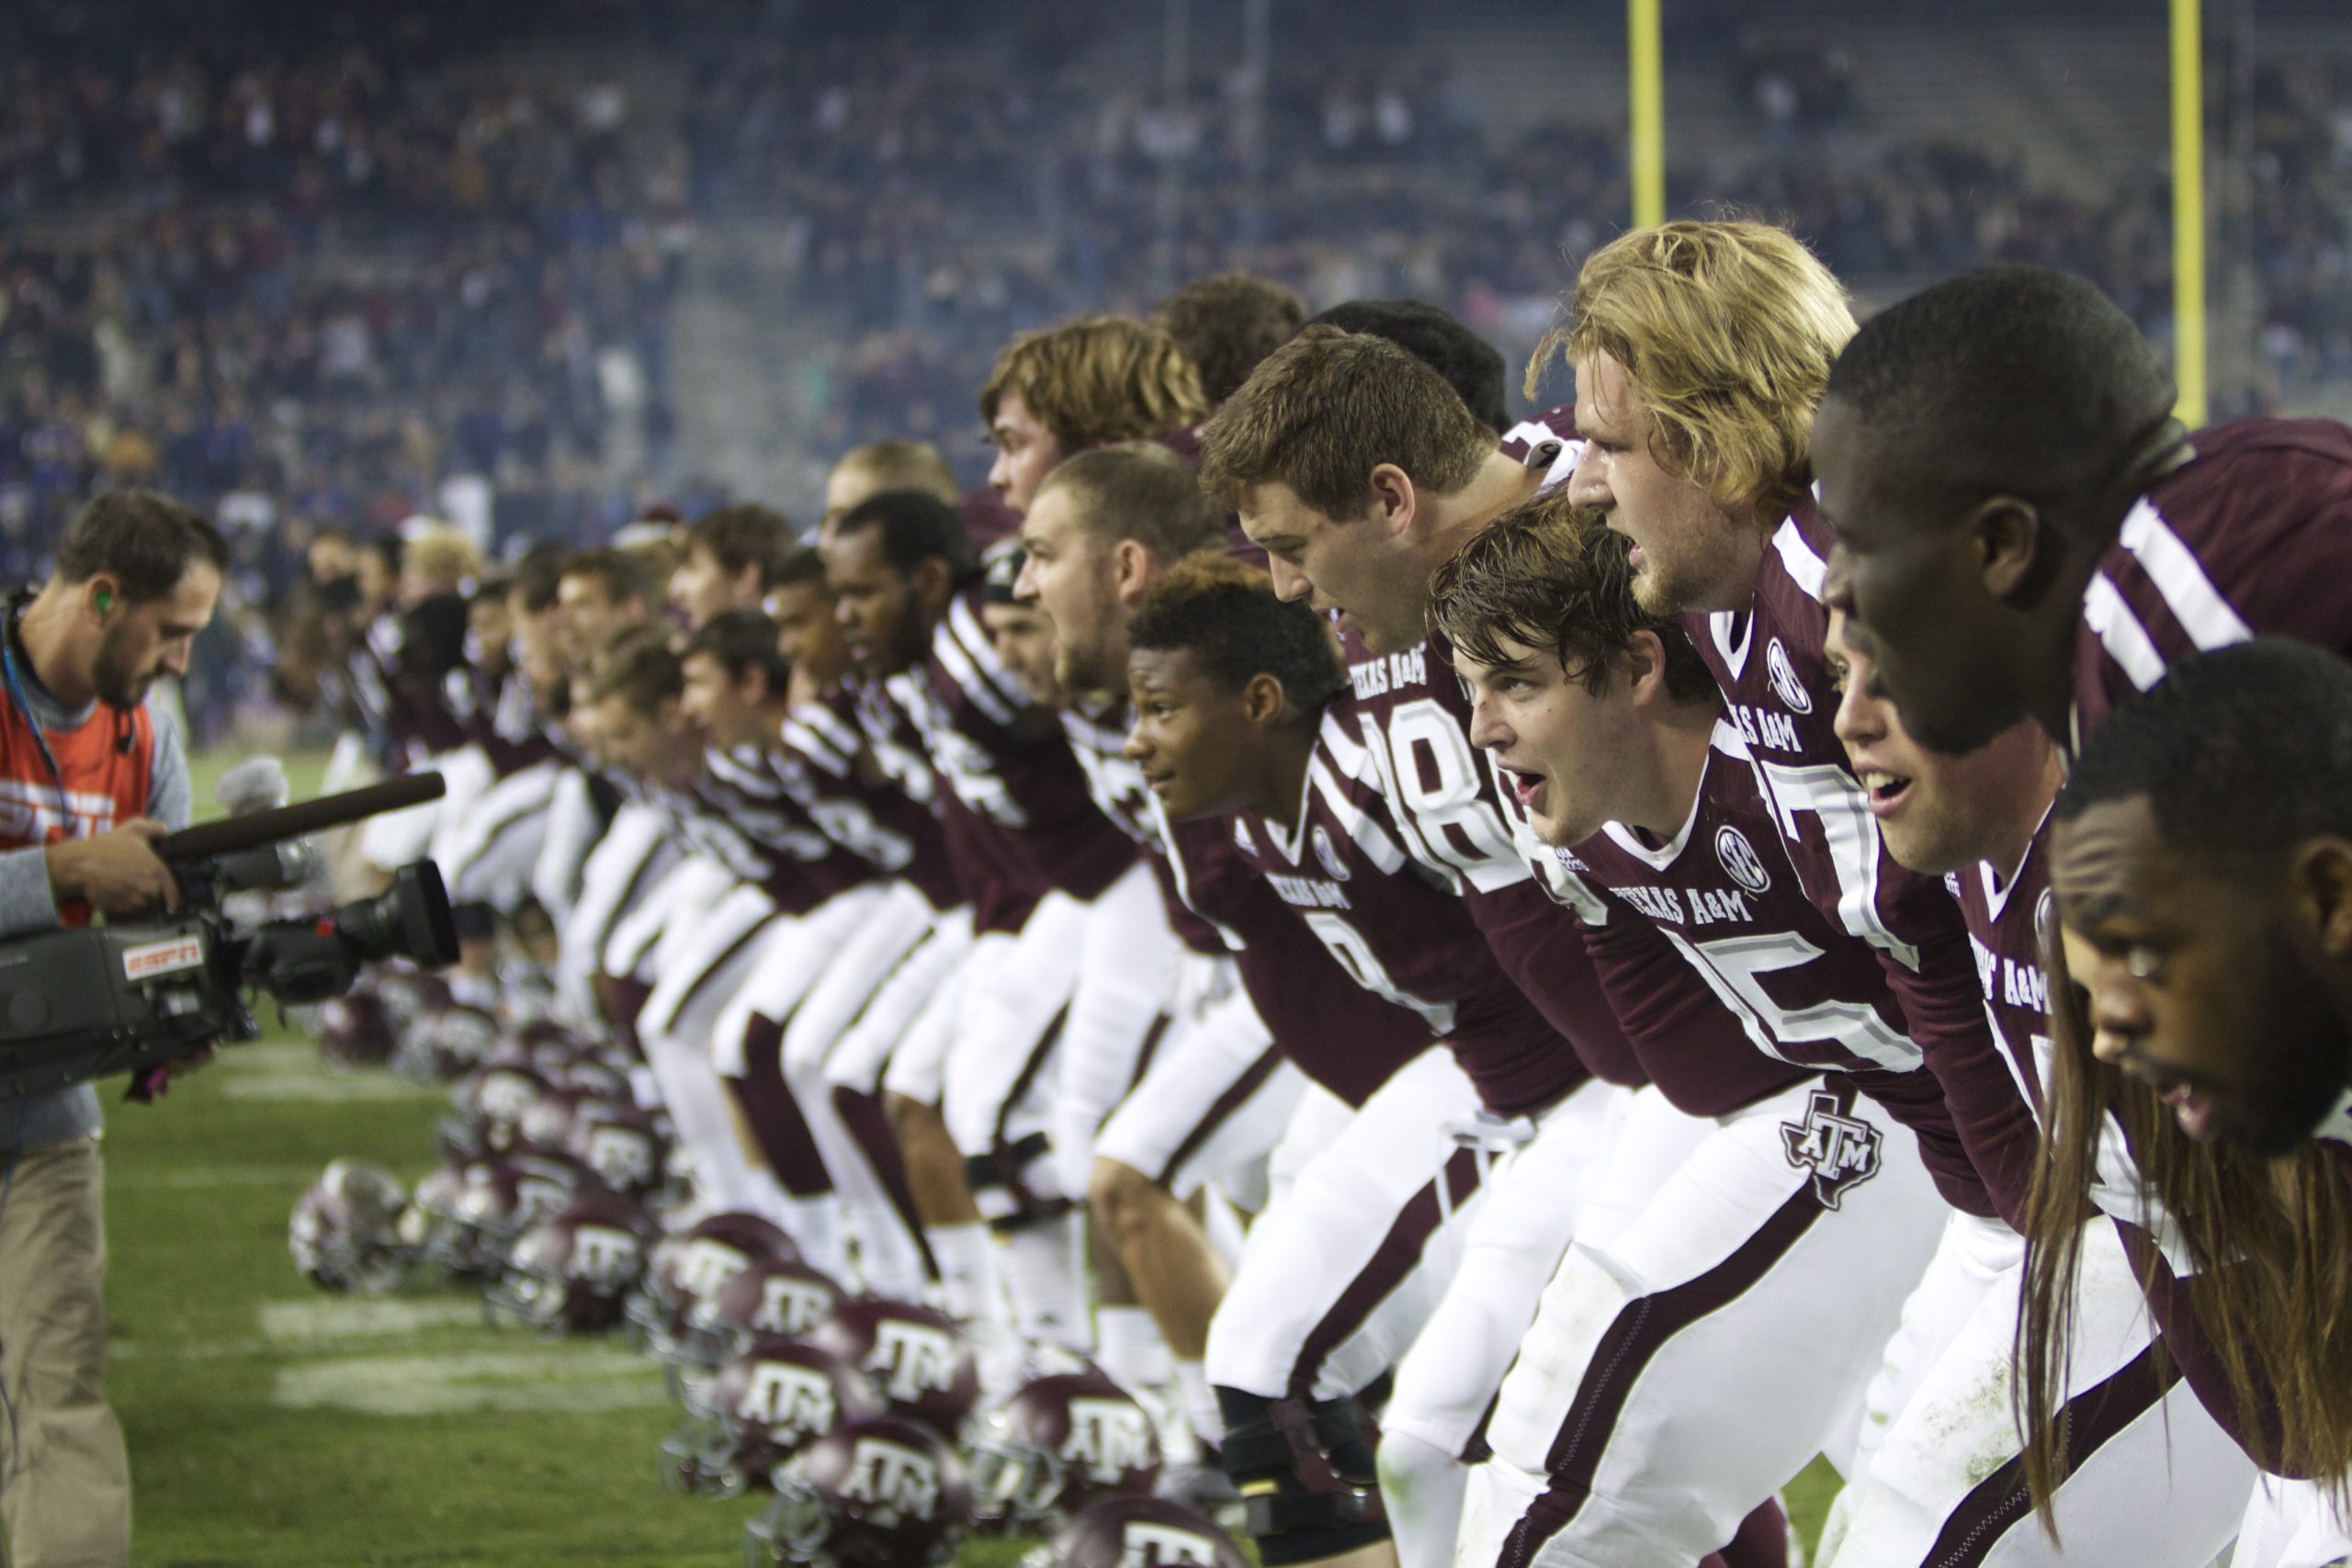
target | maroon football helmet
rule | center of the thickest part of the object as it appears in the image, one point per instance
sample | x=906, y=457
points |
x=621, y=1144
x=345, y=1232
x=917, y=1358
x=549, y=1047
x=434, y=1229
x=1142, y=1532
x=491, y=1098
x=770, y=1298
x=499, y=1198
x=764, y=1405
x=595, y=1074
x=569, y=1273
x=356, y=1029
x=693, y=1267
x=446, y=1043
x=877, y=1492
x=1058, y=1443
x=547, y=1120
x=409, y=993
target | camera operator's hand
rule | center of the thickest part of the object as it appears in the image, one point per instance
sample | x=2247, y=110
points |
x=116, y=873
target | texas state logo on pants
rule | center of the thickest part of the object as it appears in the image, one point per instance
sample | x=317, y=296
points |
x=1841, y=1151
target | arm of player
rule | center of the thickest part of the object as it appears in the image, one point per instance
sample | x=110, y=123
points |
x=1984, y=1138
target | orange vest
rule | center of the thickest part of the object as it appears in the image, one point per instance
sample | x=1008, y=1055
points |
x=105, y=779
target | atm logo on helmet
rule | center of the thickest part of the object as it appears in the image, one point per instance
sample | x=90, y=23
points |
x=891, y=1475
x=910, y=1359
x=785, y=1397
x=1108, y=1437
x=1161, y=1546
x=789, y=1306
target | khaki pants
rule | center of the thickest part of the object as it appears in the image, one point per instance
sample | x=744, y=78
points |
x=66, y=1498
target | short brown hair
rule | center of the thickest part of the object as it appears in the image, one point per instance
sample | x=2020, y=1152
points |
x=904, y=465
x=1226, y=324
x=1097, y=379
x=1726, y=331
x=1140, y=491
x=638, y=665
x=1552, y=576
x=1329, y=407
x=744, y=534
x=144, y=541
x=1227, y=616
x=622, y=574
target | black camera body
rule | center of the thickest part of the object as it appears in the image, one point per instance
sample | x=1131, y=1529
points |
x=89, y=1001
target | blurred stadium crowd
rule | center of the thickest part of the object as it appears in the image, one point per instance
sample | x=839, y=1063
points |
x=313, y=269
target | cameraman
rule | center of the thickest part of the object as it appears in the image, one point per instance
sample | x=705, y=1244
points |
x=90, y=776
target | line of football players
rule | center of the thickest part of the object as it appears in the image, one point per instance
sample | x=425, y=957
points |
x=1521, y=1076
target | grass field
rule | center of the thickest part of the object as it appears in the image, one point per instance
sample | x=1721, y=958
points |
x=271, y=1424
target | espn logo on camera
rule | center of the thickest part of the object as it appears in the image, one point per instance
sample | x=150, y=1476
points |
x=152, y=960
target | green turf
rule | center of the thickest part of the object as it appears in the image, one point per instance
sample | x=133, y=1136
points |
x=235, y=1380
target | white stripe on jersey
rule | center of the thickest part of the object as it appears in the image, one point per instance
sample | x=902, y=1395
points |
x=823, y=737
x=745, y=770
x=1535, y=436
x=963, y=645
x=965, y=675
x=2187, y=592
x=2128, y=642
x=1231, y=937
x=1361, y=830
x=1352, y=757
x=1807, y=570
x=816, y=747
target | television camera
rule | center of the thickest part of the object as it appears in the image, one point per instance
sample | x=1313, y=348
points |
x=88, y=1002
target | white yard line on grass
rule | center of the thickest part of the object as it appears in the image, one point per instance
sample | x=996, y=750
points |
x=573, y=1378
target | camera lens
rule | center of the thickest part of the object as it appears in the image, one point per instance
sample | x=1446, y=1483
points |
x=409, y=920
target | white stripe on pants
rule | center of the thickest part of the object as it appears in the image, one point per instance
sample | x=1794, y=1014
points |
x=1711, y=1328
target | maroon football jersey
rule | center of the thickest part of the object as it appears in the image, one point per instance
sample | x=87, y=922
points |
x=1781, y=696
x=1806, y=995
x=1547, y=441
x=1400, y=932
x=1004, y=766
x=743, y=815
x=1098, y=739
x=2004, y=917
x=2250, y=537
x=498, y=716
x=851, y=791
x=1405, y=731
x=1338, y=1033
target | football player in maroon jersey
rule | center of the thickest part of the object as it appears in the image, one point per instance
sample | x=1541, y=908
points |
x=1614, y=734
x=2026, y=531
x=1700, y=349
x=634, y=695
x=1085, y=383
x=2199, y=854
x=1232, y=686
x=758, y=956
x=1038, y=857
x=1103, y=527
x=2198, y=857
x=1979, y=819
x=730, y=557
